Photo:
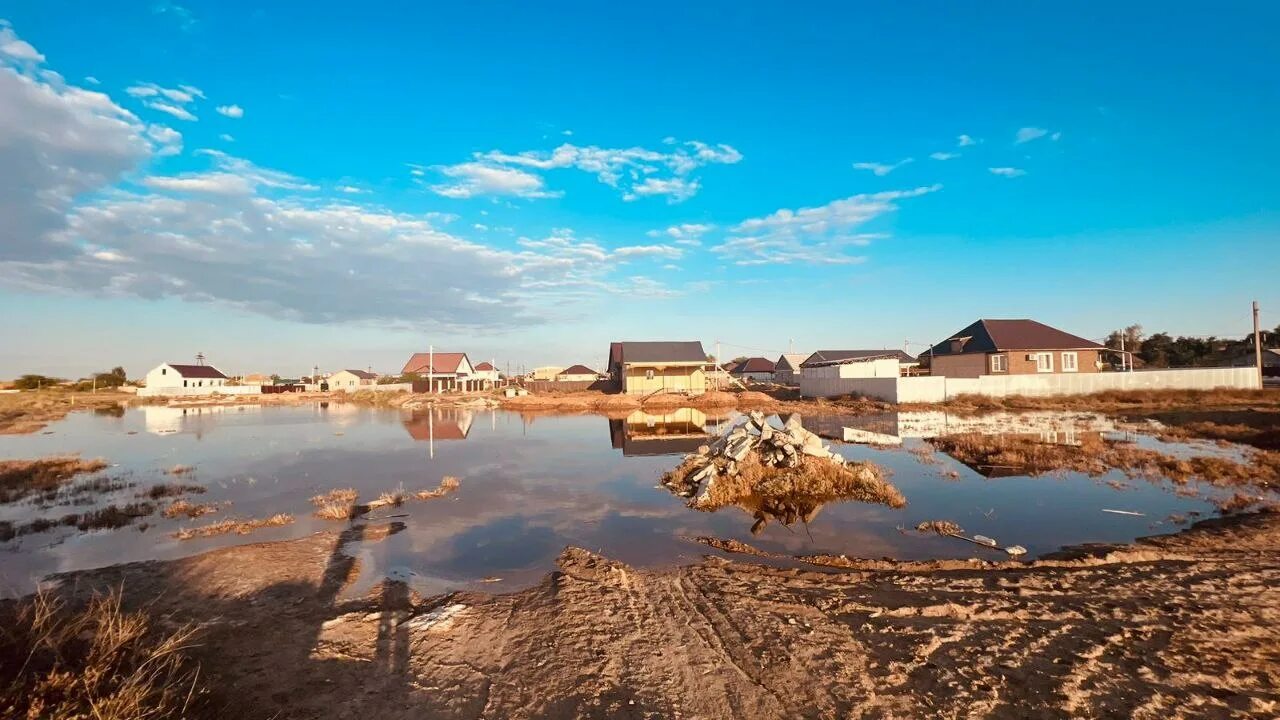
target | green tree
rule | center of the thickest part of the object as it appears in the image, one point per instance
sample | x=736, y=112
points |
x=35, y=382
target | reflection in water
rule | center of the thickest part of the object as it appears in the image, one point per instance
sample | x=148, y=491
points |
x=891, y=428
x=528, y=489
x=675, y=432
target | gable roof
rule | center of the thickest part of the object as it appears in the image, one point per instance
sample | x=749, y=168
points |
x=663, y=351
x=445, y=363
x=361, y=374
x=485, y=366
x=986, y=336
x=789, y=361
x=753, y=365
x=836, y=357
x=577, y=370
x=197, y=371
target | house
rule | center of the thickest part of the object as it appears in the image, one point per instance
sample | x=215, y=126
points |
x=577, y=373
x=861, y=363
x=546, y=372
x=351, y=379
x=171, y=375
x=756, y=369
x=786, y=369
x=443, y=371
x=1013, y=347
x=487, y=373
x=642, y=368
x=256, y=379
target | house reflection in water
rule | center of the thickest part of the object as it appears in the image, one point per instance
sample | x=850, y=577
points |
x=198, y=420
x=675, y=432
x=448, y=423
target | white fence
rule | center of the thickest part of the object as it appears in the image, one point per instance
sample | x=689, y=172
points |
x=199, y=391
x=937, y=389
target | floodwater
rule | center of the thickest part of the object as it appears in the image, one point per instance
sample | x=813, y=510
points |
x=530, y=485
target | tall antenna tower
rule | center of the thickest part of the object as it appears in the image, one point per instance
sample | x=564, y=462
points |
x=199, y=358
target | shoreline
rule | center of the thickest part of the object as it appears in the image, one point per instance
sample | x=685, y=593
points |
x=712, y=638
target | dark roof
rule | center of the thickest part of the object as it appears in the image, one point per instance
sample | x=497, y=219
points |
x=197, y=371
x=362, y=374
x=578, y=370
x=986, y=336
x=644, y=352
x=833, y=357
x=753, y=365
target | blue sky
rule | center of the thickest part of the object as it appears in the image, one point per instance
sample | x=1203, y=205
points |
x=281, y=185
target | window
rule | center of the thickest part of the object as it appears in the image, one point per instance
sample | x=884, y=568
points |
x=164, y=371
x=1044, y=362
x=1069, y=362
x=184, y=383
x=999, y=363
x=648, y=374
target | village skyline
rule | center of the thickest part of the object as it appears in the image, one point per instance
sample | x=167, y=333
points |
x=225, y=179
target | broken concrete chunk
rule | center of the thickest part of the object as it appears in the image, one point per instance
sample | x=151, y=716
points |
x=984, y=540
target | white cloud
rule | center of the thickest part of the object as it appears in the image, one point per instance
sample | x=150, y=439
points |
x=1007, y=172
x=57, y=143
x=676, y=189
x=108, y=256
x=670, y=252
x=168, y=141
x=965, y=141
x=817, y=235
x=1027, y=134
x=231, y=111
x=182, y=15
x=689, y=234
x=351, y=189
x=476, y=178
x=881, y=169
x=636, y=172
x=944, y=155
x=217, y=183
x=226, y=137
x=178, y=112
x=92, y=80
x=15, y=47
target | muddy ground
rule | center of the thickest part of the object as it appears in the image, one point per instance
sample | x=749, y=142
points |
x=1171, y=627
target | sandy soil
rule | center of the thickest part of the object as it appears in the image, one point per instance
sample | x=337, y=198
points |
x=1171, y=627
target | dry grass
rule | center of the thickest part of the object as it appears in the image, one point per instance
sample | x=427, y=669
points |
x=1095, y=456
x=941, y=527
x=21, y=478
x=447, y=485
x=339, y=504
x=100, y=662
x=182, y=508
x=395, y=498
x=180, y=470
x=28, y=412
x=1115, y=401
x=231, y=525
x=110, y=517
x=788, y=495
x=168, y=490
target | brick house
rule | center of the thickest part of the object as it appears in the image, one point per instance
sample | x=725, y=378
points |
x=1012, y=347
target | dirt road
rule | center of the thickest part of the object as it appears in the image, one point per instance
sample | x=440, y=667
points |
x=1177, y=626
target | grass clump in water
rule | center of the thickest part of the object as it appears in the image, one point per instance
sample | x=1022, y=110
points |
x=339, y=504
x=20, y=478
x=447, y=485
x=231, y=525
x=183, y=508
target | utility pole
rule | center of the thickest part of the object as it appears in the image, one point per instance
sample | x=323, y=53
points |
x=1122, y=358
x=1257, y=343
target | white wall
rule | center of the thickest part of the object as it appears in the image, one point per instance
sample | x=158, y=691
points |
x=824, y=382
x=150, y=391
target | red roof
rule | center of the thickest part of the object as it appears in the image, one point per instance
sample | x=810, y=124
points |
x=753, y=365
x=197, y=371
x=445, y=363
x=485, y=367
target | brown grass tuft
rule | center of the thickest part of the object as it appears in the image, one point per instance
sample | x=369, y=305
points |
x=20, y=478
x=180, y=470
x=167, y=490
x=182, y=508
x=98, y=662
x=942, y=527
x=447, y=485
x=338, y=504
x=231, y=525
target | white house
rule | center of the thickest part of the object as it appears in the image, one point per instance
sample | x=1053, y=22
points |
x=169, y=375
x=786, y=371
x=487, y=372
x=577, y=373
x=351, y=379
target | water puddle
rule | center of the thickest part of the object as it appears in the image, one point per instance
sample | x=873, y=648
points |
x=530, y=485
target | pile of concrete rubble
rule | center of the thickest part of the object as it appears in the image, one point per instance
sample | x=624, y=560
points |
x=782, y=474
